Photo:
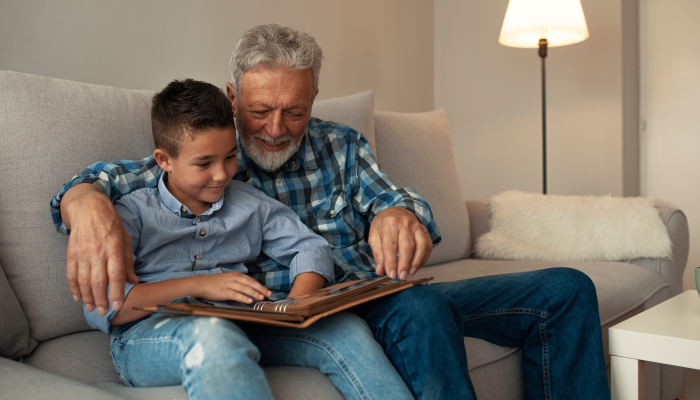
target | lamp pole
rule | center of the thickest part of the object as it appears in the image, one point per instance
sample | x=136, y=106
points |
x=543, y=54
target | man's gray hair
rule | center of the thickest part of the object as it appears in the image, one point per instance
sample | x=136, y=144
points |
x=273, y=46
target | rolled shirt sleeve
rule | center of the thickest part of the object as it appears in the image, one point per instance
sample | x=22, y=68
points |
x=374, y=191
x=289, y=242
x=114, y=179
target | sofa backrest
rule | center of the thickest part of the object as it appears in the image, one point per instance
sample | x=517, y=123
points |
x=356, y=111
x=416, y=152
x=50, y=129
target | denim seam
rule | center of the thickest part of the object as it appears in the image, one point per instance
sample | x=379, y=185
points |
x=545, y=362
x=403, y=358
x=329, y=350
x=503, y=311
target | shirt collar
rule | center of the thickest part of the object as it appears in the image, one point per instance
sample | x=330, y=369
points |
x=306, y=156
x=179, y=209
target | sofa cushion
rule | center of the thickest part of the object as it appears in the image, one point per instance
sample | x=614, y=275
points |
x=14, y=330
x=621, y=287
x=416, y=152
x=85, y=357
x=488, y=361
x=20, y=381
x=538, y=227
x=356, y=111
x=52, y=128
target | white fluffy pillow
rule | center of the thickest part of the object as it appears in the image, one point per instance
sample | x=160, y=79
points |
x=535, y=227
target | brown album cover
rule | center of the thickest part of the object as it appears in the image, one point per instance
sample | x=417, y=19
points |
x=300, y=311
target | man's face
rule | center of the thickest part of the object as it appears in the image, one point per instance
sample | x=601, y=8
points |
x=272, y=113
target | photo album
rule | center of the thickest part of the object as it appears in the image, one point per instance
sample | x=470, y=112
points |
x=300, y=311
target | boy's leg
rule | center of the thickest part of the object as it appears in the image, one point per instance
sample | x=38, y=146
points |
x=421, y=333
x=340, y=346
x=552, y=314
x=210, y=357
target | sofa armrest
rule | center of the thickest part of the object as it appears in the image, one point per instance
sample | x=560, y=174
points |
x=19, y=381
x=671, y=269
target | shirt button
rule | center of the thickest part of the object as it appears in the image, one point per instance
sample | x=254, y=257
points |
x=294, y=164
x=199, y=219
x=183, y=209
x=279, y=180
x=197, y=257
x=332, y=212
x=202, y=232
x=177, y=213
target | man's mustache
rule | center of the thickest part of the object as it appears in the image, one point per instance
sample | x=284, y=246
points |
x=272, y=141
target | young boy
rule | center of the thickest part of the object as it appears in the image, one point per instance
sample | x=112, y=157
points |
x=191, y=237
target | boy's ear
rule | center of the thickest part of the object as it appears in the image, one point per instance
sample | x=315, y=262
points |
x=231, y=97
x=163, y=159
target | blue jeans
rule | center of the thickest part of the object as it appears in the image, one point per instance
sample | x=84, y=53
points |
x=552, y=314
x=421, y=332
x=214, y=358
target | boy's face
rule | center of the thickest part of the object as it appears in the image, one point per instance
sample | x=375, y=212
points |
x=205, y=165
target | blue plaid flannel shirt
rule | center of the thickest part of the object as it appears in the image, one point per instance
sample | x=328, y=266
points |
x=333, y=183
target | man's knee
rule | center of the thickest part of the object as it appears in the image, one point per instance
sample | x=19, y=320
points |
x=568, y=284
x=422, y=306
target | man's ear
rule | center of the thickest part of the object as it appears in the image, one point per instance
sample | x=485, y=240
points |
x=163, y=159
x=231, y=97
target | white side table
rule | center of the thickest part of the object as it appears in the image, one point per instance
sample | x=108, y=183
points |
x=667, y=334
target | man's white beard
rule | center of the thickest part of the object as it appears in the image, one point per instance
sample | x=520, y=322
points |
x=269, y=160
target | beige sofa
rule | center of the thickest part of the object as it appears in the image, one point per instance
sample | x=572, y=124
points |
x=50, y=128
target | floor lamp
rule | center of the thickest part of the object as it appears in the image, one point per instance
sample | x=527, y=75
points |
x=542, y=24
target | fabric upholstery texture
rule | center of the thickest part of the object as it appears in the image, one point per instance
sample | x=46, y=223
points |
x=416, y=152
x=20, y=381
x=620, y=286
x=87, y=123
x=85, y=357
x=355, y=111
x=14, y=330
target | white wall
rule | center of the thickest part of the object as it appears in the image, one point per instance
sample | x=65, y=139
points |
x=386, y=46
x=670, y=159
x=492, y=97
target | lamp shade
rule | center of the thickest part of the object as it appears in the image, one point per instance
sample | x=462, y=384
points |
x=561, y=22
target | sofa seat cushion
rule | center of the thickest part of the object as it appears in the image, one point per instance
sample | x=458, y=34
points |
x=85, y=357
x=621, y=287
x=20, y=381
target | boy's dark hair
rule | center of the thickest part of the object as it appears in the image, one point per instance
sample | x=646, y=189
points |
x=183, y=108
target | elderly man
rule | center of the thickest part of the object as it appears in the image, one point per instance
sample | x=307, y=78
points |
x=327, y=174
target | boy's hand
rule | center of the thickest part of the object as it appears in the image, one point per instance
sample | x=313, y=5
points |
x=230, y=286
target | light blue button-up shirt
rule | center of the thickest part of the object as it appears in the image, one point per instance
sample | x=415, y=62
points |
x=170, y=242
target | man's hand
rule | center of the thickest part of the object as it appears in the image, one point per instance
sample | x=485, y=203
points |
x=398, y=231
x=99, y=249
